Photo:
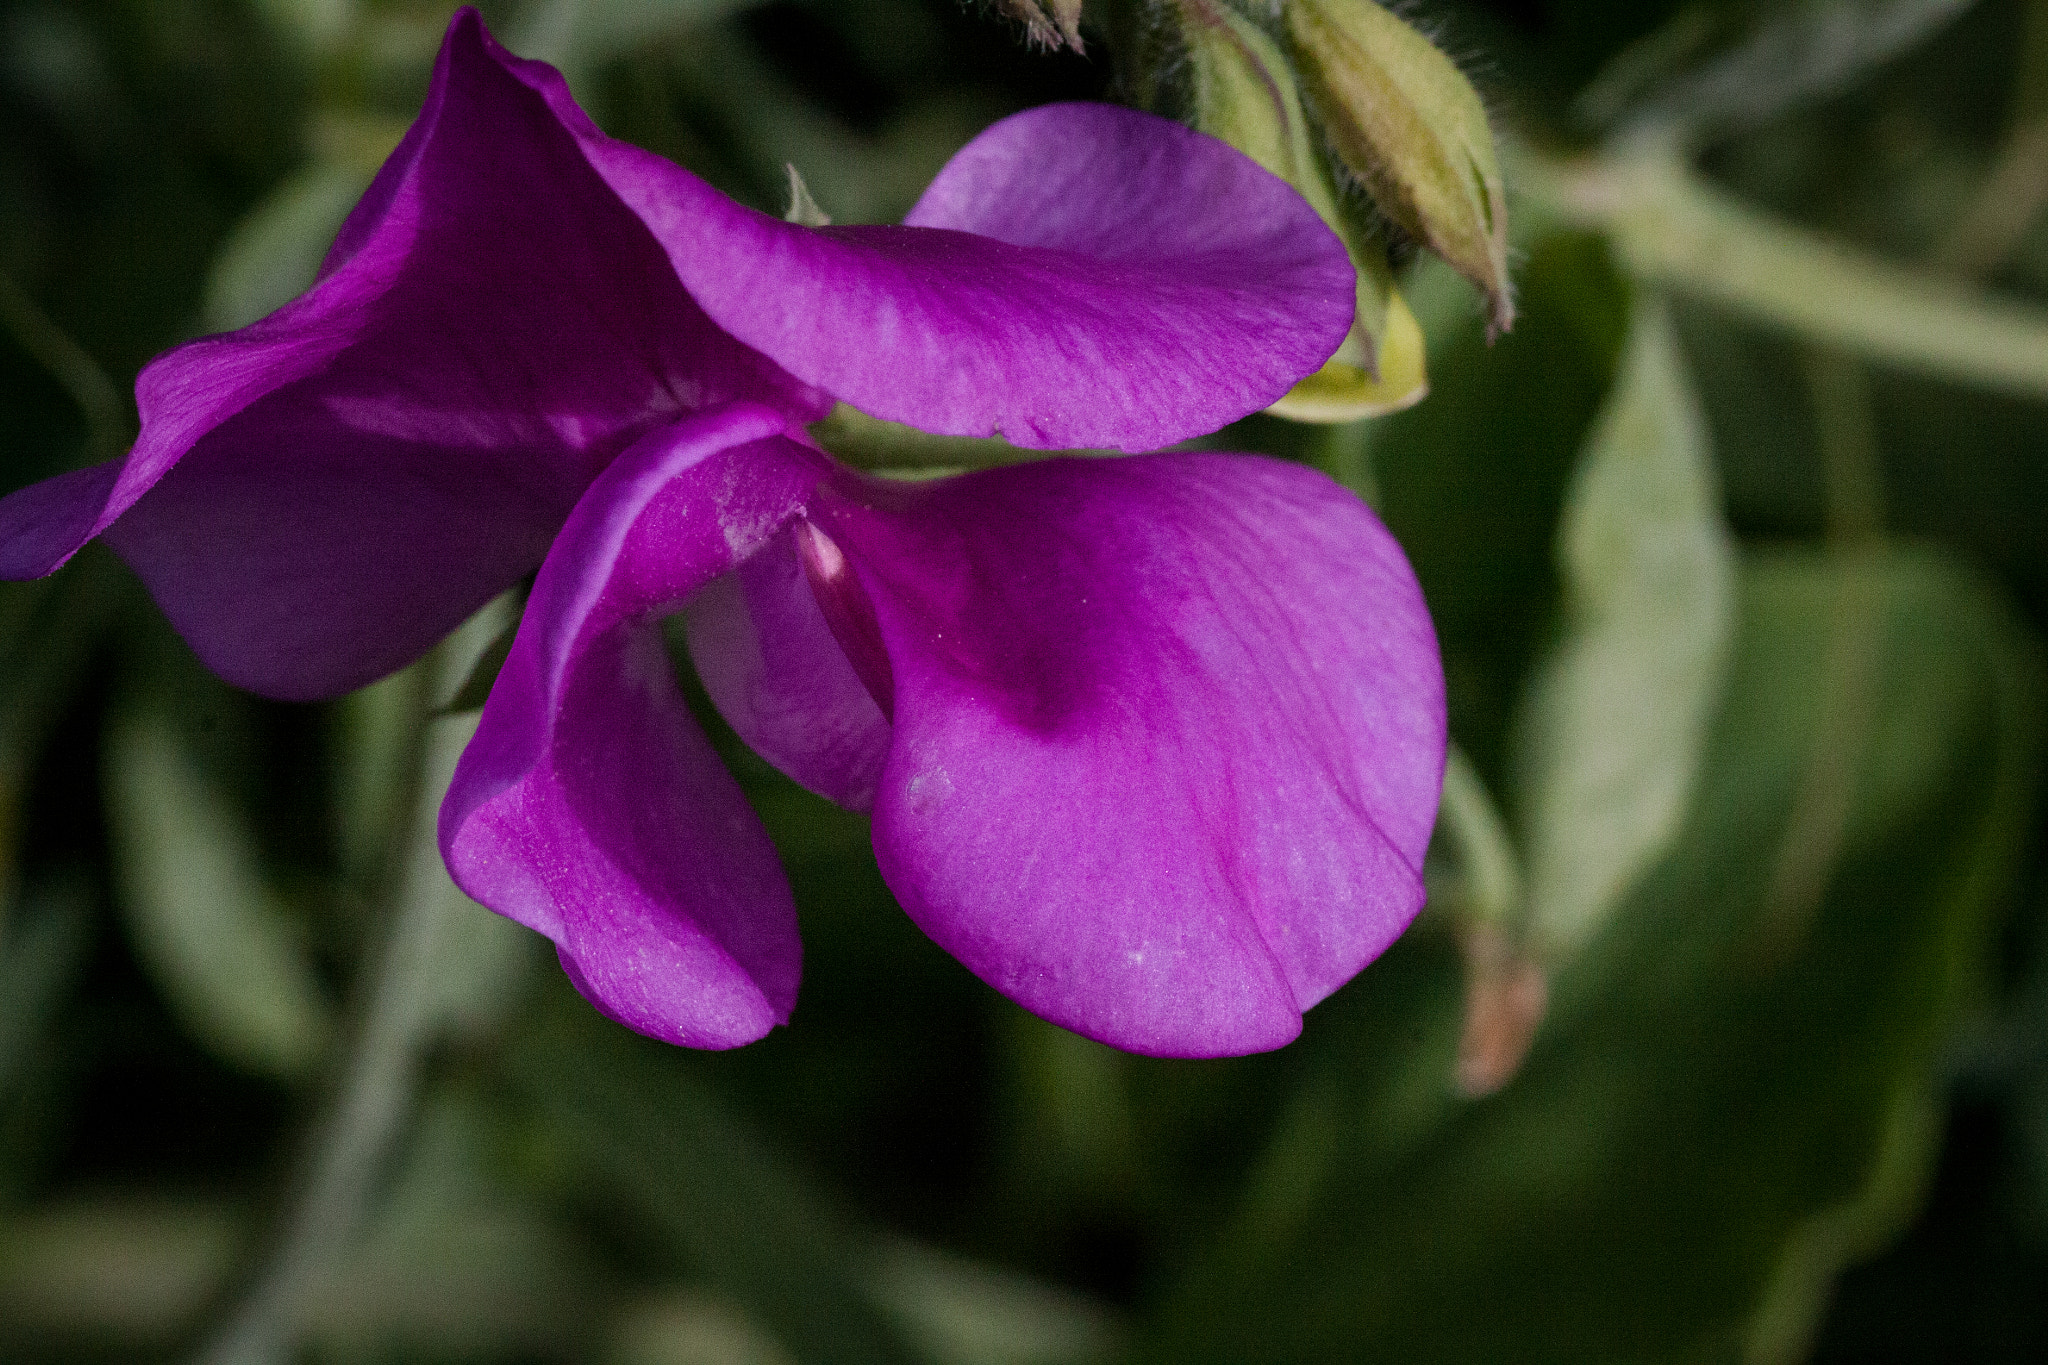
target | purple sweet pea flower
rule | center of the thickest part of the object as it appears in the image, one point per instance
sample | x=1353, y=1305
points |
x=1152, y=745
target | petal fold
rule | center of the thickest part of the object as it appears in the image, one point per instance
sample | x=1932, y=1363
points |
x=765, y=653
x=1168, y=736
x=1078, y=275
x=317, y=498
x=589, y=806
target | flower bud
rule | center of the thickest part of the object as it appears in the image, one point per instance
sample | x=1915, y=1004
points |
x=1245, y=94
x=1405, y=120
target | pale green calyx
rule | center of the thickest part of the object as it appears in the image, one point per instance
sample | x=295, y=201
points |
x=1409, y=125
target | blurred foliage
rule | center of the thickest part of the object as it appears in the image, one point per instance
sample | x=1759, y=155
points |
x=1734, y=549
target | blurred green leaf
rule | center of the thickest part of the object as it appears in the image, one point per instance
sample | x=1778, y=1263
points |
x=377, y=734
x=48, y=631
x=1704, y=1133
x=44, y=936
x=476, y=686
x=1784, y=56
x=1612, y=725
x=107, y=1273
x=639, y=1133
x=690, y=1327
x=471, y=965
x=311, y=26
x=445, y=965
x=2024, y=1044
x=1471, y=480
x=273, y=254
x=1475, y=878
x=476, y=962
x=221, y=947
x=857, y=175
x=1073, y=1127
x=103, y=406
x=374, y=731
x=963, y=1313
x=456, y=1265
x=579, y=35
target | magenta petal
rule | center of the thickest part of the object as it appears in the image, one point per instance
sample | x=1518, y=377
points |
x=771, y=665
x=318, y=497
x=1079, y=275
x=1168, y=736
x=44, y=524
x=589, y=806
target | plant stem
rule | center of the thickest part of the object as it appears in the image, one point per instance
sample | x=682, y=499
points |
x=1852, y=480
x=106, y=416
x=1669, y=227
x=351, y=1148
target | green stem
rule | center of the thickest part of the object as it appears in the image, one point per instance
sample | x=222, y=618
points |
x=1343, y=450
x=374, y=1101
x=1489, y=884
x=2013, y=195
x=1845, y=425
x=1853, y=500
x=41, y=668
x=1669, y=227
x=106, y=416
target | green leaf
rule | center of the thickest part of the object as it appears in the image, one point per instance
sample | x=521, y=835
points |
x=580, y=35
x=455, y=1264
x=1471, y=482
x=1612, y=724
x=311, y=27
x=204, y=922
x=1706, y=1130
x=273, y=254
x=453, y=1267
x=1785, y=56
x=637, y=1131
x=686, y=1326
x=124, y=1275
x=46, y=935
x=48, y=631
x=965, y=1313
x=476, y=685
x=1474, y=879
x=1073, y=1125
x=471, y=966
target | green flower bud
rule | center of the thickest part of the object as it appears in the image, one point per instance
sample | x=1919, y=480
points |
x=1410, y=126
x=1245, y=93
